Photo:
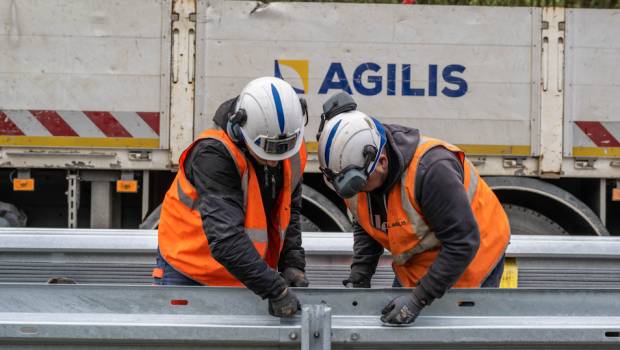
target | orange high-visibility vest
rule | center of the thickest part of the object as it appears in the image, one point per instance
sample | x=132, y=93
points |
x=411, y=241
x=182, y=240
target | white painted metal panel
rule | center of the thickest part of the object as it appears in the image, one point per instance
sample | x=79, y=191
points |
x=498, y=48
x=79, y=92
x=592, y=96
x=81, y=18
x=69, y=56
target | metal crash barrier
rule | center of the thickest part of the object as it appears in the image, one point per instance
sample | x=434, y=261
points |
x=127, y=257
x=155, y=317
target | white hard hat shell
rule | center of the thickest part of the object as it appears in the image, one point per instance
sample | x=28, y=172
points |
x=273, y=109
x=343, y=139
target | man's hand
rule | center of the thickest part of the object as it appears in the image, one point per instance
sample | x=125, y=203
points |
x=357, y=280
x=285, y=305
x=405, y=309
x=294, y=277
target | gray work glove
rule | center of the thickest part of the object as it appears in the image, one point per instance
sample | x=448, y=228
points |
x=357, y=280
x=284, y=305
x=294, y=277
x=403, y=310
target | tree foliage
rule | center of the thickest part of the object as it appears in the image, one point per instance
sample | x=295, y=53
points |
x=601, y=4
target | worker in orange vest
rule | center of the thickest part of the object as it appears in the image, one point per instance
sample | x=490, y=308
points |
x=232, y=214
x=417, y=197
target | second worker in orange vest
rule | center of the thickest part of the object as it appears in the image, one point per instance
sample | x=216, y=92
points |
x=417, y=197
x=232, y=215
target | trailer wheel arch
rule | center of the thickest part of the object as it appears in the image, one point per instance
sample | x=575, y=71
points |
x=546, y=199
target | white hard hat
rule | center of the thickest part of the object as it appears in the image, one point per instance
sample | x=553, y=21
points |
x=349, y=146
x=274, y=126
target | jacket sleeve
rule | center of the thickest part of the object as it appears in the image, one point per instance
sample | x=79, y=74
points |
x=444, y=203
x=366, y=252
x=214, y=174
x=293, y=254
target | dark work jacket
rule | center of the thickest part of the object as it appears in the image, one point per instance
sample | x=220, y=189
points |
x=443, y=201
x=212, y=171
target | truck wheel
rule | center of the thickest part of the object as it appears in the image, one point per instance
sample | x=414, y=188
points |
x=320, y=210
x=524, y=221
x=308, y=226
x=549, y=201
x=11, y=216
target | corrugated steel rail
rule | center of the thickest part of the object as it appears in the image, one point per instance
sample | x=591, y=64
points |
x=127, y=257
x=132, y=317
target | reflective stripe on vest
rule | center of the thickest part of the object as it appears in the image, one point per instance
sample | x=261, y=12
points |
x=409, y=238
x=182, y=240
x=255, y=235
x=184, y=198
x=258, y=236
x=428, y=239
x=295, y=171
x=473, y=181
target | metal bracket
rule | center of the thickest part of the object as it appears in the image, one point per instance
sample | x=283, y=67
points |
x=73, y=198
x=513, y=163
x=584, y=164
x=477, y=161
x=23, y=174
x=140, y=156
x=316, y=325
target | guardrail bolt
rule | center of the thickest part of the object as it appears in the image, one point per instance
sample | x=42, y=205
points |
x=355, y=337
x=317, y=334
x=293, y=335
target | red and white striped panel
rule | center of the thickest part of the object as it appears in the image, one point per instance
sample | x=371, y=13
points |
x=21, y=127
x=596, y=139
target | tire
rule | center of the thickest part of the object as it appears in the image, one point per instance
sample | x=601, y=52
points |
x=524, y=221
x=576, y=218
x=319, y=209
x=308, y=226
x=11, y=216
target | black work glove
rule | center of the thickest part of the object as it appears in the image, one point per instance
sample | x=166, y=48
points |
x=357, y=280
x=284, y=305
x=403, y=310
x=294, y=277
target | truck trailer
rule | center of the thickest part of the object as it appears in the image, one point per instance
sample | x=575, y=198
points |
x=98, y=99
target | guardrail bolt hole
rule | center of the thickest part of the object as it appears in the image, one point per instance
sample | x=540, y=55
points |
x=466, y=304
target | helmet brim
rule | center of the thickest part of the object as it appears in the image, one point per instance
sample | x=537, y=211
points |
x=260, y=152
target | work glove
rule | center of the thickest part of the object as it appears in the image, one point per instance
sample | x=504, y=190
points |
x=284, y=305
x=357, y=280
x=294, y=277
x=403, y=310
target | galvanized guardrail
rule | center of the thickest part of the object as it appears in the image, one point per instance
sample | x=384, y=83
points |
x=127, y=257
x=132, y=317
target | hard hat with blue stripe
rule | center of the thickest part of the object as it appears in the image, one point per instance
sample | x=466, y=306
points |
x=273, y=125
x=349, y=148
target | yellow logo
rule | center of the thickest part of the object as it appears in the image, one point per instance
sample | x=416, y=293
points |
x=298, y=66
